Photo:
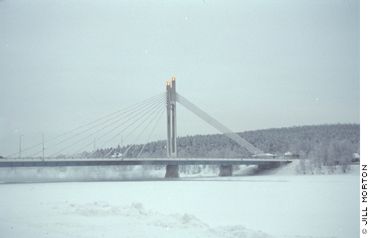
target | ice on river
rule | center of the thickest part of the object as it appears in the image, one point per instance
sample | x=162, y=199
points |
x=248, y=206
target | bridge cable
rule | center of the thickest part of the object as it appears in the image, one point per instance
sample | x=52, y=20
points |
x=86, y=124
x=159, y=112
x=151, y=133
x=135, y=117
x=149, y=112
x=140, y=107
x=136, y=112
x=217, y=125
x=67, y=140
x=135, y=128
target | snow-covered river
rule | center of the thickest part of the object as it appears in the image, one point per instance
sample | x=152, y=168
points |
x=248, y=206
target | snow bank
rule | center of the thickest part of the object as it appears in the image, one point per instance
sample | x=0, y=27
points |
x=179, y=225
x=294, y=168
x=99, y=219
x=80, y=173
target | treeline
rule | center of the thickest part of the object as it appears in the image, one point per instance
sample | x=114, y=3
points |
x=321, y=144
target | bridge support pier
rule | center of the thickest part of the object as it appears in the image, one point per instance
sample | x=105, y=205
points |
x=226, y=170
x=172, y=171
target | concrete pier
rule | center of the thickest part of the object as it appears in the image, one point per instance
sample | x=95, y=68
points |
x=172, y=171
x=226, y=170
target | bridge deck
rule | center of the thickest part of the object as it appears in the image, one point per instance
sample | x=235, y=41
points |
x=144, y=161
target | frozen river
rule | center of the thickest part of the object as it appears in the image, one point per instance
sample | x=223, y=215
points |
x=249, y=206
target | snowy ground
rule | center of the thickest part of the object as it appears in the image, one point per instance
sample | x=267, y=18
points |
x=278, y=205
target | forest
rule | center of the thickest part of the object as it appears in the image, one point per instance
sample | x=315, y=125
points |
x=315, y=145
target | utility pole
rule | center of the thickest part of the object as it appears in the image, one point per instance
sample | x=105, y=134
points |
x=43, y=147
x=20, y=146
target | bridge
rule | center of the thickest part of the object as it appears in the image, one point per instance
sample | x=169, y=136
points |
x=133, y=118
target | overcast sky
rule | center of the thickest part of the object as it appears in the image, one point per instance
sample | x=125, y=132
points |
x=250, y=64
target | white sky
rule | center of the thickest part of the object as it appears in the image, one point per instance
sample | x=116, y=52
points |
x=250, y=64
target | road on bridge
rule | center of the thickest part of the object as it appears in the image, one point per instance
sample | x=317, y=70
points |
x=135, y=161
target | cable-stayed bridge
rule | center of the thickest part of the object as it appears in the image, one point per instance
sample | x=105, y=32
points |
x=70, y=148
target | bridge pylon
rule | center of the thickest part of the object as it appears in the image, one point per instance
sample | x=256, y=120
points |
x=172, y=171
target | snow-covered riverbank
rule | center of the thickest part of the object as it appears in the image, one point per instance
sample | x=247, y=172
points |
x=256, y=206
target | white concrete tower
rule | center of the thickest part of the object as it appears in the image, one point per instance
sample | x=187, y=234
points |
x=171, y=118
x=168, y=105
x=172, y=171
